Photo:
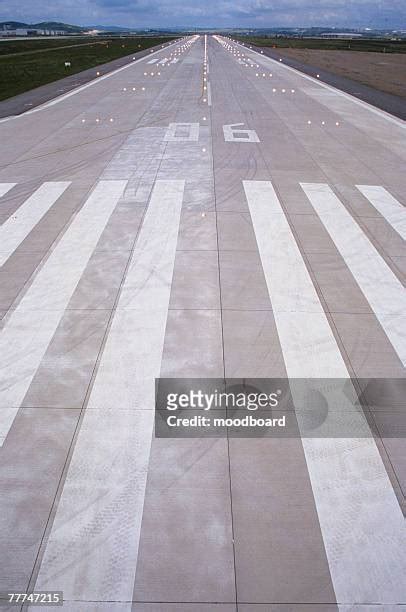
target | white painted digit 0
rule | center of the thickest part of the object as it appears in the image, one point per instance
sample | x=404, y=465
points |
x=234, y=133
x=182, y=132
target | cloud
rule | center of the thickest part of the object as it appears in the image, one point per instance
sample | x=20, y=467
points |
x=222, y=13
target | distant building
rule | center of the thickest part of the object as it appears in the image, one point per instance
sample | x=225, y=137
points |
x=32, y=32
x=344, y=35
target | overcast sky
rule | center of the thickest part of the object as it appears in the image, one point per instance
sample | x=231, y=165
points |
x=210, y=13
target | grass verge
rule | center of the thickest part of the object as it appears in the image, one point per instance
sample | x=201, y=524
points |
x=364, y=44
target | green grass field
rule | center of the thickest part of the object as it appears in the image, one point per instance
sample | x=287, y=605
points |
x=25, y=64
x=376, y=45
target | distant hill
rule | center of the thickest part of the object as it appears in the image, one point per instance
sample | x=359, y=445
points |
x=44, y=25
x=56, y=25
x=110, y=28
x=12, y=25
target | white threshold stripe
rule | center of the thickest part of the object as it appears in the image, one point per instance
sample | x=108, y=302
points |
x=361, y=522
x=29, y=328
x=387, y=205
x=16, y=228
x=384, y=292
x=93, y=545
x=5, y=187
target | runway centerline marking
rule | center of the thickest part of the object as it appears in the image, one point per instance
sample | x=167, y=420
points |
x=209, y=100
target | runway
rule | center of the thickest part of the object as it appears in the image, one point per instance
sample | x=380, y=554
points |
x=389, y=102
x=44, y=93
x=206, y=212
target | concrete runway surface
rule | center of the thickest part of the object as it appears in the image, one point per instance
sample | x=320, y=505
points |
x=203, y=212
